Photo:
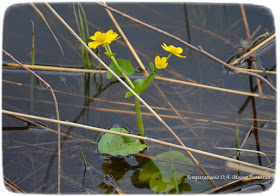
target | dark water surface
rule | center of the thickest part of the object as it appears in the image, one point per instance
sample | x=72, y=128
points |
x=29, y=153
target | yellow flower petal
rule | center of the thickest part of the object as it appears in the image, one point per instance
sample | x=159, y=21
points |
x=164, y=62
x=102, y=38
x=165, y=47
x=114, y=36
x=157, y=59
x=179, y=50
x=161, y=63
x=110, y=32
x=94, y=44
x=178, y=55
x=174, y=50
x=96, y=34
x=111, y=36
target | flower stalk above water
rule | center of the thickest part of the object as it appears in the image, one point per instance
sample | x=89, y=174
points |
x=125, y=68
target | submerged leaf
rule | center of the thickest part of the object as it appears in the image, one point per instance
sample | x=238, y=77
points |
x=148, y=170
x=119, y=145
x=157, y=184
x=159, y=174
x=175, y=156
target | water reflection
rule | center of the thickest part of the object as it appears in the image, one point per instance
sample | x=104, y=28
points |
x=158, y=173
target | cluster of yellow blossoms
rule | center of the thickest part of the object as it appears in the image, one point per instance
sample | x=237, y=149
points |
x=161, y=63
x=106, y=38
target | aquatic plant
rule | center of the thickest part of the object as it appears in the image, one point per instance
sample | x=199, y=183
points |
x=125, y=68
x=82, y=24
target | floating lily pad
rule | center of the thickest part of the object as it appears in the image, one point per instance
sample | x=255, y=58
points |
x=119, y=145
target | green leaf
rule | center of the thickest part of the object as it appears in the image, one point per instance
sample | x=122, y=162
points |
x=125, y=66
x=175, y=156
x=119, y=145
x=141, y=84
x=148, y=171
x=128, y=139
x=160, y=175
x=183, y=187
x=152, y=66
x=167, y=166
x=114, y=69
x=157, y=184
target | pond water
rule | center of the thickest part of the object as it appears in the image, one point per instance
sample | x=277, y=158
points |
x=209, y=116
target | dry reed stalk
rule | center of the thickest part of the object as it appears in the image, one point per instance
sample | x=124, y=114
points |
x=198, y=49
x=250, y=170
x=13, y=187
x=11, y=82
x=67, y=123
x=214, y=88
x=56, y=108
x=127, y=42
x=245, y=21
x=258, y=71
x=41, y=15
x=135, y=94
x=256, y=48
x=52, y=68
x=69, y=69
x=249, y=37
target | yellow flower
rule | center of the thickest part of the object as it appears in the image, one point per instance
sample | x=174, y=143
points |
x=174, y=50
x=102, y=38
x=161, y=63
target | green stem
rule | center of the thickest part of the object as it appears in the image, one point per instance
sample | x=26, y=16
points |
x=168, y=56
x=83, y=156
x=137, y=102
x=122, y=72
x=108, y=49
x=139, y=117
x=83, y=36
